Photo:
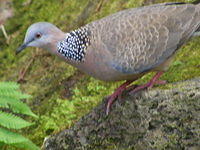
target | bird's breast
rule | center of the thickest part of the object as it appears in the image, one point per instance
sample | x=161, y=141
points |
x=96, y=64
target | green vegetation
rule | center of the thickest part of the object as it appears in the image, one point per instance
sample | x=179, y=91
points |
x=60, y=93
x=10, y=108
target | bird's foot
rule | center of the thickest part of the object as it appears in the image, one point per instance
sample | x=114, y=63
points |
x=115, y=95
x=160, y=82
x=124, y=86
x=150, y=84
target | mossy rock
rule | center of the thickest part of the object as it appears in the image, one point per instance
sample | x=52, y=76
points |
x=155, y=119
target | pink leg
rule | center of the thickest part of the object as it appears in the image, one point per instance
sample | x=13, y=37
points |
x=150, y=84
x=116, y=94
x=160, y=82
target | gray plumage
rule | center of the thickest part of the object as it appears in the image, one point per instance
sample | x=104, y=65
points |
x=124, y=45
x=141, y=39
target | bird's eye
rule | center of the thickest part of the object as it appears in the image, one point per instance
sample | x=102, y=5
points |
x=38, y=35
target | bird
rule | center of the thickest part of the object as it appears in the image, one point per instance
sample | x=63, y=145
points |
x=123, y=46
x=6, y=12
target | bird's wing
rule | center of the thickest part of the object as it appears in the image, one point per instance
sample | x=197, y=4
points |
x=141, y=39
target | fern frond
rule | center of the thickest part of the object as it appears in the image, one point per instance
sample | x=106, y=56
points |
x=10, y=97
x=17, y=140
x=11, y=121
x=3, y=104
x=9, y=85
x=13, y=93
x=11, y=89
x=9, y=137
x=27, y=145
x=16, y=106
x=23, y=108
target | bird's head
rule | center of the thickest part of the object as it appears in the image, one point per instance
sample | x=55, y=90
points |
x=43, y=35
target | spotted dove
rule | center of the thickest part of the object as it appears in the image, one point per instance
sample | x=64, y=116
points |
x=123, y=46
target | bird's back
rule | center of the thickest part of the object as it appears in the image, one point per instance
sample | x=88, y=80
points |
x=137, y=40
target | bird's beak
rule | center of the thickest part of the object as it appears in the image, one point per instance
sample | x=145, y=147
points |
x=23, y=46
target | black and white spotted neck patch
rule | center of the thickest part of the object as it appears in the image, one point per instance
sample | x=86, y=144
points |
x=74, y=46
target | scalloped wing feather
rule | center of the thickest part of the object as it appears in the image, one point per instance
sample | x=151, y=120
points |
x=141, y=39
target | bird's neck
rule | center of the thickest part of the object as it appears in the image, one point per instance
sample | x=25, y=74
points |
x=73, y=46
x=56, y=38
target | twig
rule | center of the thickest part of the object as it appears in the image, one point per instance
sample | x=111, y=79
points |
x=24, y=71
x=4, y=32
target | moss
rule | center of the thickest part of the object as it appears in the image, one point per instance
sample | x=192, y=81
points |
x=48, y=79
x=135, y=124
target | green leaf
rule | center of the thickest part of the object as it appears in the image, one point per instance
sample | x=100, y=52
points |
x=11, y=121
x=3, y=104
x=10, y=97
x=17, y=140
x=22, y=108
x=9, y=85
x=16, y=106
x=27, y=145
x=13, y=94
x=9, y=137
x=11, y=89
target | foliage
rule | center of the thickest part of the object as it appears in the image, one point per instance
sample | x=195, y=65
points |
x=10, y=108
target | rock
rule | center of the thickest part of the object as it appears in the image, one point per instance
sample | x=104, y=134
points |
x=154, y=119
